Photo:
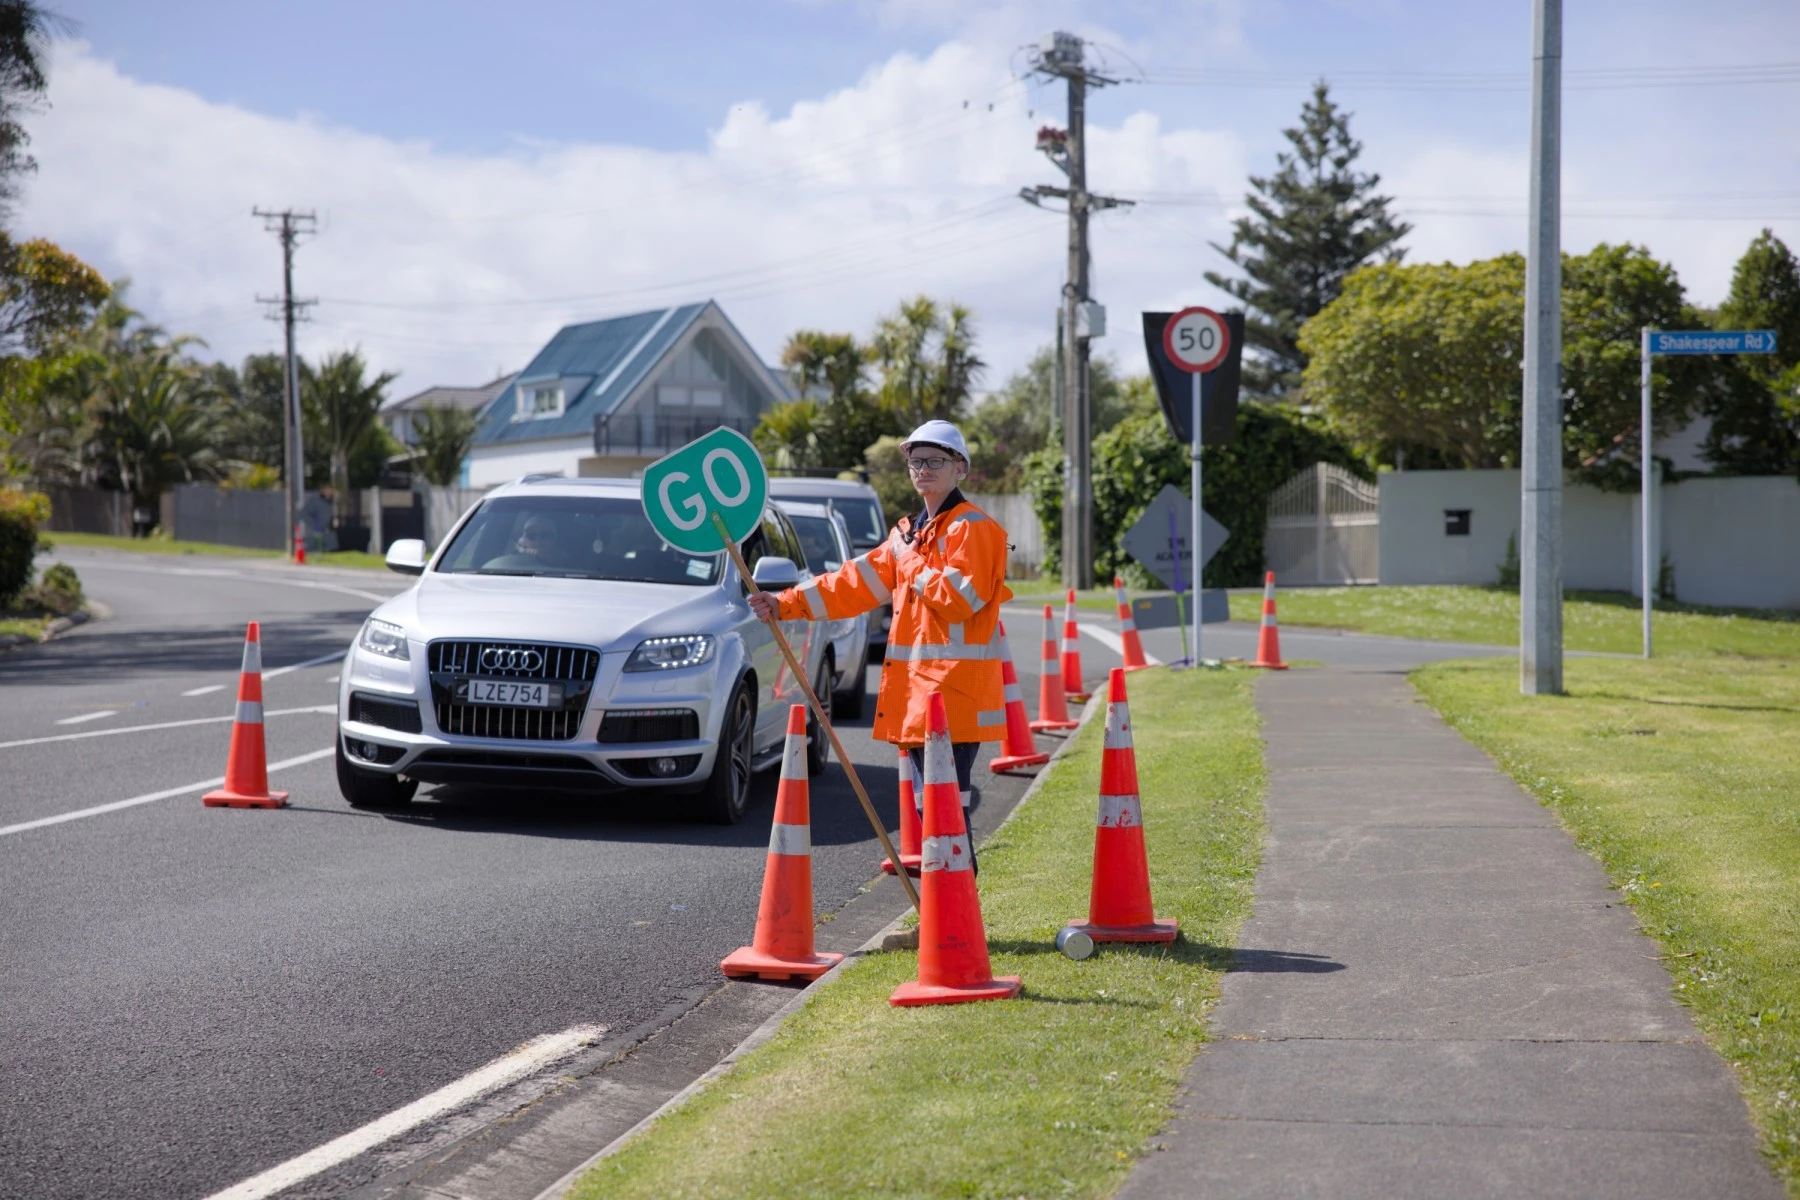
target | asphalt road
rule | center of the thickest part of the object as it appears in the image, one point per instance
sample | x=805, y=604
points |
x=194, y=995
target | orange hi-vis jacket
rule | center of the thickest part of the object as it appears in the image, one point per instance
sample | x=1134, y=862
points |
x=947, y=580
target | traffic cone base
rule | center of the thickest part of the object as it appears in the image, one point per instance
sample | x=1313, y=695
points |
x=1017, y=749
x=783, y=947
x=914, y=994
x=1053, y=707
x=225, y=798
x=1041, y=726
x=1158, y=930
x=1013, y=762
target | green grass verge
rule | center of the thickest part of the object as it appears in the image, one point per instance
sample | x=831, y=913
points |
x=1681, y=776
x=155, y=545
x=1607, y=621
x=1051, y=1094
x=32, y=627
x=1049, y=591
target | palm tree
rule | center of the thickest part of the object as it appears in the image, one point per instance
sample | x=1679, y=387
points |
x=153, y=421
x=927, y=358
x=788, y=434
x=442, y=438
x=341, y=406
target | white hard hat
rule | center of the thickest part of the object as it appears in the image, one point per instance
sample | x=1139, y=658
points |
x=937, y=433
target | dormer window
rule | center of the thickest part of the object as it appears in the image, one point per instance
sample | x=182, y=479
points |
x=539, y=401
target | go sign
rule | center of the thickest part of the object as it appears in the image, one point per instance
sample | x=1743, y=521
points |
x=1196, y=339
x=718, y=472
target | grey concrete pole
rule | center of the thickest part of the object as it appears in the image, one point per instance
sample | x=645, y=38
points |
x=1078, y=487
x=1540, y=525
x=1647, y=553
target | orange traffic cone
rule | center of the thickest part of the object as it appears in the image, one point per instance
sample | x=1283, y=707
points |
x=1268, y=642
x=1071, y=654
x=909, y=821
x=247, y=763
x=783, y=946
x=1128, y=633
x=1119, y=908
x=1053, y=708
x=1018, y=750
x=953, y=957
x=300, y=544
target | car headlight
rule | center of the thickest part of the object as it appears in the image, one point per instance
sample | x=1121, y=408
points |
x=384, y=638
x=671, y=653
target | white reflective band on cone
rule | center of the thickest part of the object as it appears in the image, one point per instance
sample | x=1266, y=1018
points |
x=253, y=657
x=1120, y=812
x=790, y=839
x=1268, y=618
x=249, y=712
x=1014, y=695
x=1118, y=726
x=940, y=766
x=1128, y=625
x=793, y=757
x=946, y=854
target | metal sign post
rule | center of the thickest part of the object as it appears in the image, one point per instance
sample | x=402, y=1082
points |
x=708, y=496
x=1197, y=341
x=1661, y=341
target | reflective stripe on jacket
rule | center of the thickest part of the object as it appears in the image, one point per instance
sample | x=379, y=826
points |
x=947, y=582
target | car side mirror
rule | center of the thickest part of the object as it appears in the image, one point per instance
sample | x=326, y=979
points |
x=407, y=556
x=774, y=573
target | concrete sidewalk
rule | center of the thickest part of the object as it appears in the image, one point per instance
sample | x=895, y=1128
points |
x=1437, y=994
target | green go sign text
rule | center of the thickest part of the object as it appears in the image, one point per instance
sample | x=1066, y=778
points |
x=718, y=472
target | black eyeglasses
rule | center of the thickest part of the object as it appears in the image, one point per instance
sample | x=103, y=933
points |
x=935, y=463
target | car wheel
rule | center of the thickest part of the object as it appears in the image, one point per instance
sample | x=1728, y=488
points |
x=372, y=789
x=818, y=749
x=726, y=794
x=849, y=702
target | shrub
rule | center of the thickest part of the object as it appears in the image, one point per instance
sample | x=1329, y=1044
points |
x=1135, y=458
x=59, y=591
x=20, y=515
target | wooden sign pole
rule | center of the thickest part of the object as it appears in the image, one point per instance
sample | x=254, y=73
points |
x=818, y=709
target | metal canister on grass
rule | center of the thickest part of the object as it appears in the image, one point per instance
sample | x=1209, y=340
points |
x=1074, y=943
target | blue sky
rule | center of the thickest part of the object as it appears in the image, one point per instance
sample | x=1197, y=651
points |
x=485, y=173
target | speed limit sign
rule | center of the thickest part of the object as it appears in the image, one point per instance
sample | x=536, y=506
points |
x=1196, y=340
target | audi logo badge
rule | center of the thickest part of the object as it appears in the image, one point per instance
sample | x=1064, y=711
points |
x=496, y=659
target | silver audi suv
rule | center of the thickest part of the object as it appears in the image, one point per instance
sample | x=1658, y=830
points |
x=555, y=642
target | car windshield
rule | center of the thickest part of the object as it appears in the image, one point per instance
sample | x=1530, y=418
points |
x=863, y=516
x=819, y=539
x=572, y=537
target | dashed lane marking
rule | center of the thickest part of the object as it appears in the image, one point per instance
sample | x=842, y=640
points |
x=334, y=656
x=94, y=733
x=93, y=716
x=201, y=691
x=186, y=789
x=533, y=1056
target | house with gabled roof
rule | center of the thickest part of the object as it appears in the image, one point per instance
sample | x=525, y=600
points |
x=607, y=398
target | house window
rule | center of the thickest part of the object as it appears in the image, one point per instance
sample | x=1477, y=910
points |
x=540, y=400
x=709, y=398
x=671, y=397
x=1456, y=522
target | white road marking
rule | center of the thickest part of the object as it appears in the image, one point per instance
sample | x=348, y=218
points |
x=533, y=1056
x=186, y=789
x=334, y=656
x=1112, y=641
x=333, y=679
x=209, y=573
x=94, y=733
x=93, y=716
x=202, y=691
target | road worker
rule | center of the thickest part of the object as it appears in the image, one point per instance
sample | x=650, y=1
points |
x=944, y=568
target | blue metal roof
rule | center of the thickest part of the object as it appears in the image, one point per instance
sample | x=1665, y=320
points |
x=599, y=363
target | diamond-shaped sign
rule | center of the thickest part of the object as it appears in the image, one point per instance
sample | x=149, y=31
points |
x=1160, y=538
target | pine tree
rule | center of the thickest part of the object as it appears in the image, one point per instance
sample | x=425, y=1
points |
x=1756, y=409
x=1313, y=222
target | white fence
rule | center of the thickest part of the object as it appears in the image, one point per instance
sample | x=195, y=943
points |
x=1731, y=541
x=1324, y=527
x=1015, y=514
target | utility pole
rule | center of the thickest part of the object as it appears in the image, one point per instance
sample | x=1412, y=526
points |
x=1060, y=54
x=288, y=225
x=1540, y=523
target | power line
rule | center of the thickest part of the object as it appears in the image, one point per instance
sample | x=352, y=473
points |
x=1590, y=79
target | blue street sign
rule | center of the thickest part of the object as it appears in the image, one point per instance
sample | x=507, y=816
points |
x=1707, y=341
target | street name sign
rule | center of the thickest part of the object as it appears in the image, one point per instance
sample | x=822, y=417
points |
x=717, y=474
x=1709, y=341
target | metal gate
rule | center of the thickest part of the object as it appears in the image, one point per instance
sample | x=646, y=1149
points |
x=1324, y=527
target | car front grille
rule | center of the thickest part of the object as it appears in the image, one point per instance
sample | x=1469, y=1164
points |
x=573, y=667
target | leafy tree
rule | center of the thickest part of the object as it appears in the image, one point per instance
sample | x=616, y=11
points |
x=441, y=441
x=153, y=419
x=888, y=476
x=1427, y=358
x=1312, y=223
x=788, y=434
x=1756, y=411
x=340, y=407
x=831, y=369
x=46, y=423
x=46, y=295
x=25, y=30
x=1134, y=459
x=925, y=353
x=252, y=424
